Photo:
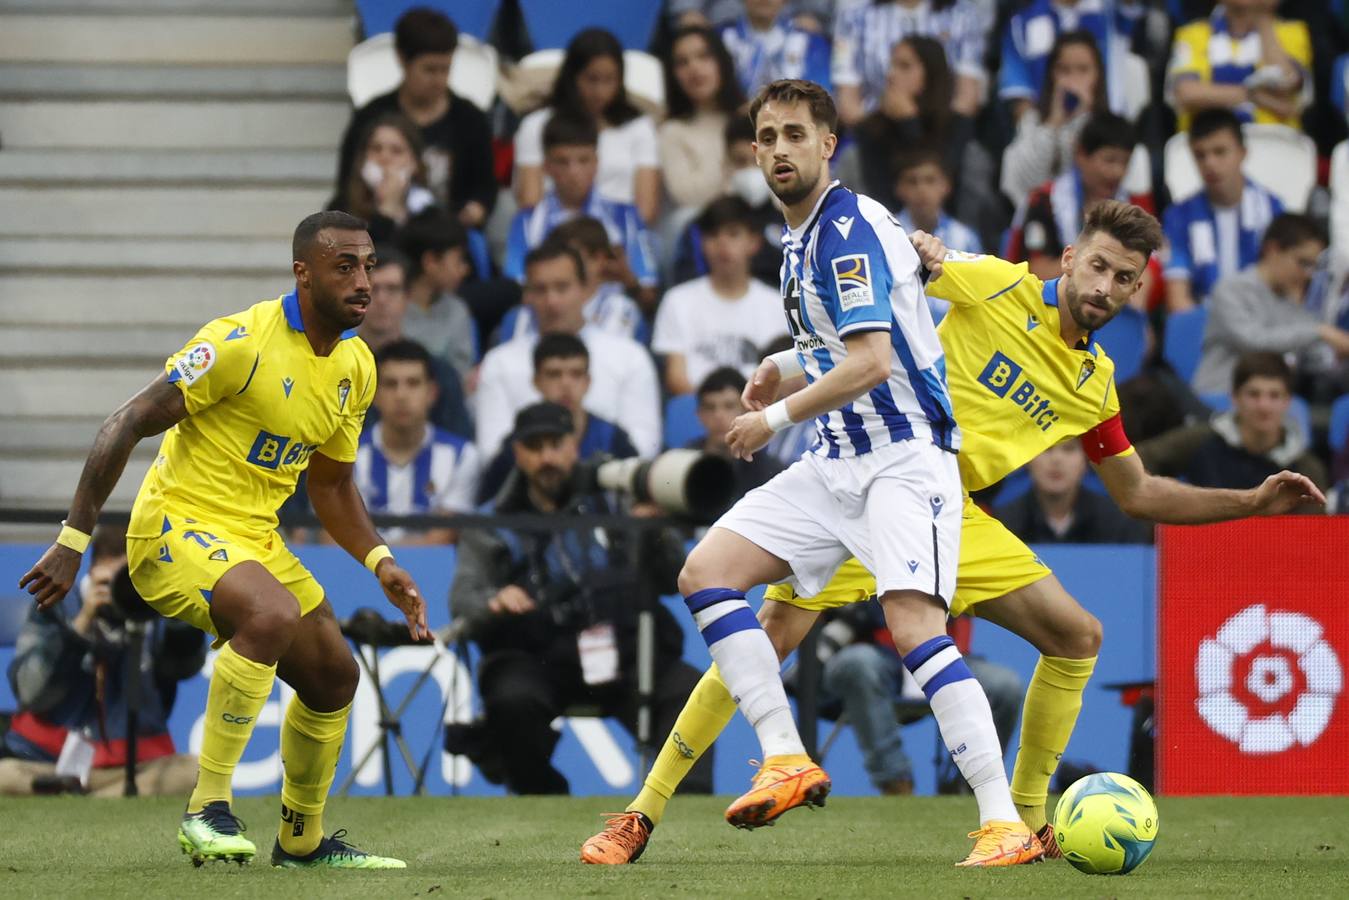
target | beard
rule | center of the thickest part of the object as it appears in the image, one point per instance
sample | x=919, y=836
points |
x=793, y=192
x=1088, y=318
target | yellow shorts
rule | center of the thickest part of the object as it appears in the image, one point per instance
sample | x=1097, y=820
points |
x=176, y=572
x=993, y=562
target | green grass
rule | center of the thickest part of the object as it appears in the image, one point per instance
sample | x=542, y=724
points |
x=856, y=847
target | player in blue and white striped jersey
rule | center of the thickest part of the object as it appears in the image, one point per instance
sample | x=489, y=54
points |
x=881, y=479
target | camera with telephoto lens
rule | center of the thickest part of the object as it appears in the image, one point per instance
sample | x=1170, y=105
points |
x=689, y=483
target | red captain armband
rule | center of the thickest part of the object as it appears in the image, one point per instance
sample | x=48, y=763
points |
x=1106, y=440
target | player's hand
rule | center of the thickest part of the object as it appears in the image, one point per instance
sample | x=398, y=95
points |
x=402, y=593
x=931, y=251
x=52, y=577
x=511, y=600
x=749, y=432
x=1284, y=492
x=762, y=388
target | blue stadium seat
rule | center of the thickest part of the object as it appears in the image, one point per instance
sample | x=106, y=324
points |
x=474, y=17
x=681, y=421
x=1125, y=340
x=1219, y=403
x=1339, y=424
x=552, y=24
x=1184, y=339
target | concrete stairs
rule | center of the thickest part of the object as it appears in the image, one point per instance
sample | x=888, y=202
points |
x=155, y=156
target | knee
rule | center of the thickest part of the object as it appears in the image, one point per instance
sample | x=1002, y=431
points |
x=1085, y=640
x=270, y=629
x=339, y=677
x=695, y=575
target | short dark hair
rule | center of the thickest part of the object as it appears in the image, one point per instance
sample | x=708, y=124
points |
x=108, y=542
x=565, y=130
x=724, y=212
x=586, y=232
x=920, y=156
x=430, y=232
x=777, y=345
x=1261, y=364
x=310, y=226
x=550, y=250
x=1288, y=230
x=797, y=90
x=421, y=30
x=738, y=129
x=1133, y=226
x=387, y=255
x=406, y=350
x=1105, y=129
x=1213, y=120
x=721, y=379
x=559, y=345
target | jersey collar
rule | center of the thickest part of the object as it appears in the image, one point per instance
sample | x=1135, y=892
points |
x=1050, y=293
x=798, y=233
x=290, y=305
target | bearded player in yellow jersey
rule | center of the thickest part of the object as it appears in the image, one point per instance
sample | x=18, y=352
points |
x=253, y=400
x=1024, y=375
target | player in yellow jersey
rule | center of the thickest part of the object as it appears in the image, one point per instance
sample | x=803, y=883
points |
x=1024, y=375
x=253, y=400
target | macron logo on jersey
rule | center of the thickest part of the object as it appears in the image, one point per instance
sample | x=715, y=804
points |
x=852, y=280
x=844, y=225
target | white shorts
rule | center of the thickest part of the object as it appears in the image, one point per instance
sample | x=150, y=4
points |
x=897, y=509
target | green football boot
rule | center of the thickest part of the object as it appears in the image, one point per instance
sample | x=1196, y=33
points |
x=334, y=853
x=214, y=833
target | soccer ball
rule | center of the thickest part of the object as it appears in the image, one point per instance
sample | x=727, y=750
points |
x=1105, y=824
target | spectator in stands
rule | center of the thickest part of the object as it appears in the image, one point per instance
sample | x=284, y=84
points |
x=624, y=388
x=383, y=322
x=811, y=15
x=589, y=86
x=1051, y=215
x=1241, y=447
x=767, y=44
x=456, y=138
x=1058, y=509
x=914, y=112
x=863, y=678
x=701, y=95
x=1046, y=133
x=69, y=675
x=562, y=376
x=571, y=161
x=718, y=405
x=724, y=317
x=406, y=466
x=865, y=35
x=1241, y=58
x=554, y=613
x=387, y=185
x=1260, y=308
x=436, y=247
x=1216, y=232
x=1032, y=38
x=922, y=188
x=608, y=308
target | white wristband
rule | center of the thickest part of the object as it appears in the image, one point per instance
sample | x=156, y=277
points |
x=788, y=363
x=777, y=416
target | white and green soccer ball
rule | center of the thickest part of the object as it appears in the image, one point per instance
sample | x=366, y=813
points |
x=1106, y=824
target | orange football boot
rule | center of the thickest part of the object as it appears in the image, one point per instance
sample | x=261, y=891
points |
x=1049, y=842
x=623, y=839
x=782, y=783
x=1004, y=844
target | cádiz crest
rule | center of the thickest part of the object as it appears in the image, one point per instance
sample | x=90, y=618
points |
x=1088, y=369
x=343, y=390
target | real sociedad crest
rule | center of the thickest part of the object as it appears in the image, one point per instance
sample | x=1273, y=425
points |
x=344, y=389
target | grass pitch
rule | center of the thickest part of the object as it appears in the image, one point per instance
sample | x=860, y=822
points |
x=517, y=847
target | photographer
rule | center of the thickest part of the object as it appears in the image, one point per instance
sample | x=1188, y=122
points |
x=555, y=612
x=69, y=675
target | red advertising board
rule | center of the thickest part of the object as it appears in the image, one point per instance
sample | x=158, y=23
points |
x=1253, y=657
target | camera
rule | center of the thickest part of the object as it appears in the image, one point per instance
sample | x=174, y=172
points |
x=684, y=482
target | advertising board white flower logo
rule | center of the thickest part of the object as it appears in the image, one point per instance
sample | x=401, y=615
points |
x=1267, y=680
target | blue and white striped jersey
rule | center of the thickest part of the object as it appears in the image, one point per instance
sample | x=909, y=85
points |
x=624, y=224
x=443, y=477
x=848, y=269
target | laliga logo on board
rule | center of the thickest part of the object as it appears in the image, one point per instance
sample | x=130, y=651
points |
x=1267, y=680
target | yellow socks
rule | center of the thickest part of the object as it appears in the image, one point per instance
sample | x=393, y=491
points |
x=705, y=715
x=1053, y=701
x=310, y=745
x=239, y=689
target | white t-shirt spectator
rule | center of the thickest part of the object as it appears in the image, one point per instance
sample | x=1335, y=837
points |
x=623, y=388
x=623, y=149
x=711, y=331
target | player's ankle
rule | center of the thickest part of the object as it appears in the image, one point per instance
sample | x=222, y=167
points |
x=1033, y=815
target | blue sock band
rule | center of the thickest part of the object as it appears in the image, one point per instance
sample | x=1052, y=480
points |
x=701, y=600
x=956, y=671
x=953, y=671
x=925, y=651
x=742, y=619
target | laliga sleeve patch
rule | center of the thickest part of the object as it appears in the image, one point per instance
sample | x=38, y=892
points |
x=196, y=362
x=852, y=280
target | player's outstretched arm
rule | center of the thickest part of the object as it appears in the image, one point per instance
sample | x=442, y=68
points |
x=338, y=505
x=155, y=408
x=1165, y=500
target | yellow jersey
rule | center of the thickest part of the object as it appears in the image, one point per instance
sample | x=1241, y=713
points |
x=1017, y=389
x=260, y=403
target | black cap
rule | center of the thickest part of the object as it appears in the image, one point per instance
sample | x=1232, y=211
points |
x=542, y=419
